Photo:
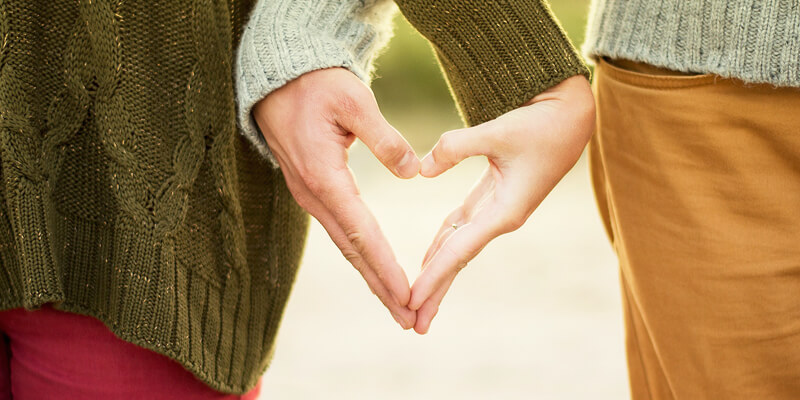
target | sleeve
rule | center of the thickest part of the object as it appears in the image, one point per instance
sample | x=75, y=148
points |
x=496, y=55
x=284, y=39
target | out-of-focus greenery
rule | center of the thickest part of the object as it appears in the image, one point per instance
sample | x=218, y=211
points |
x=410, y=87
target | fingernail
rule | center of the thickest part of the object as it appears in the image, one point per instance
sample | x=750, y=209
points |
x=408, y=165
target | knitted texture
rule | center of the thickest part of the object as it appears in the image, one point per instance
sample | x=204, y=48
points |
x=287, y=38
x=497, y=55
x=756, y=41
x=129, y=194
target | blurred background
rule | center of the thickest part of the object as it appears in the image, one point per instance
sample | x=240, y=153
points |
x=536, y=315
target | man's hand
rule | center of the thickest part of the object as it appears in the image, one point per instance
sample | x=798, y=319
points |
x=529, y=150
x=309, y=124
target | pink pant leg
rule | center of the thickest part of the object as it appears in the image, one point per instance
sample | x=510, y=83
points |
x=56, y=354
x=5, y=373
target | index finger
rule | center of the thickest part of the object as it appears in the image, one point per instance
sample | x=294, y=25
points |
x=452, y=255
x=340, y=196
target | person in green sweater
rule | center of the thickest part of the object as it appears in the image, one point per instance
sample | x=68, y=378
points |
x=147, y=241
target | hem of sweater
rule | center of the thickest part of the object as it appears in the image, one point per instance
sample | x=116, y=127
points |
x=687, y=65
x=755, y=43
x=155, y=324
x=142, y=342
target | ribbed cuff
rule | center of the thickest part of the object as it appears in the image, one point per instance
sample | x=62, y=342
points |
x=497, y=55
x=285, y=39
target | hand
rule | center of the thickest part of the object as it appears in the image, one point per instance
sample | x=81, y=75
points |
x=309, y=124
x=529, y=150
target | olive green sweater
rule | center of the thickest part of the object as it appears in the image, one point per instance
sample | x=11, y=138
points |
x=129, y=193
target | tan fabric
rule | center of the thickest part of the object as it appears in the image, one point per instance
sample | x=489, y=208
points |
x=698, y=181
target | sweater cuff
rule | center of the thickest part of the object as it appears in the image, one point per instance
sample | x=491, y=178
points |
x=497, y=55
x=283, y=40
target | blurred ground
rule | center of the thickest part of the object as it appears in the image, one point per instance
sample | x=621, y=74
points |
x=537, y=315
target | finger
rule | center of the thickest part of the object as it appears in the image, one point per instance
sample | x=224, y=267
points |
x=430, y=308
x=455, y=146
x=363, y=118
x=478, y=194
x=461, y=247
x=340, y=197
x=444, y=232
x=405, y=317
x=402, y=314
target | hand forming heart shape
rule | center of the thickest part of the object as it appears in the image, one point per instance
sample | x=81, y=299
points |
x=311, y=122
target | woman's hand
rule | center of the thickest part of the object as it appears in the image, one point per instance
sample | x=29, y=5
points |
x=309, y=124
x=529, y=150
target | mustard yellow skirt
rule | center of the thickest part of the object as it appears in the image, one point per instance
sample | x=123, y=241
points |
x=698, y=181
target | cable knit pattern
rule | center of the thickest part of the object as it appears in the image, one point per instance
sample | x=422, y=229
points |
x=287, y=38
x=757, y=41
x=129, y=194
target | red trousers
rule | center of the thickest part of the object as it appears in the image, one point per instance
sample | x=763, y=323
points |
x=47, y=354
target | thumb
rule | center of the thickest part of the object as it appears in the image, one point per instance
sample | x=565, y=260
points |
x=457, y=145
x=365, y=121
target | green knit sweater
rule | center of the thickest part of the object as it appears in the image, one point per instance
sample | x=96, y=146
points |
x=129, y=194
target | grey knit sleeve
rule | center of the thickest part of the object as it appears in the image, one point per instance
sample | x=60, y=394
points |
x=284, y=39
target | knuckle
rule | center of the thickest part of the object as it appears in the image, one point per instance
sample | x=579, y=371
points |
x=390, y=148
x=357, y=240
x=353, y=257
x=514, y=224
x=445, y=149
x=352, y=99
x=511, y=223
x=312, y=181
x=460, y=259
x=496, y=134
x=348, y=104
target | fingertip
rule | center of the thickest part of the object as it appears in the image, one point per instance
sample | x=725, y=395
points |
x=414, y=303
x=409, y=166
x=407, y=320
x=425, y=316
x=412, y=320
x=403, y=300
x=422, y=326
x=428, y=167
x=402, y=295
